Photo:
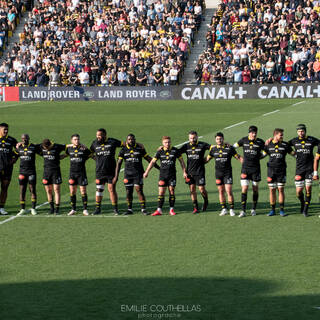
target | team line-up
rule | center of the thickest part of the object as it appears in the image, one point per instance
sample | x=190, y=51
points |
x=103, y=151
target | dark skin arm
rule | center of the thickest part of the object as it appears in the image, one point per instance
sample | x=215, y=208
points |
x=118, y=167
x=149, y=159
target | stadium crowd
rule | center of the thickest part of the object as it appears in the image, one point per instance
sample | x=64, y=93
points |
x=118, y=42
x=262, y=42
x=10, y=14
x=103, y=151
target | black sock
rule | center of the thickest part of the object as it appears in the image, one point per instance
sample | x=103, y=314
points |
x=57, y=208
x=281, y=206
x=160, y=201
x=172, y=200
x=301, y=199
x=195, y=204
x=244, y=201
x=52, y=206
x=84, y=201
x=34, y=203
x=255, y=197
x=73, y=200
x=115, y=206
x=273, y=206
x=231, y=204
x=98, y=205
x=22, y=204
x=223, y=205
x=142, y=204
x=307, y=202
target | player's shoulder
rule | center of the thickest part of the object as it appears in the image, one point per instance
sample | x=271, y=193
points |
x=313, y=139
x=11, y=139
x=260, y=141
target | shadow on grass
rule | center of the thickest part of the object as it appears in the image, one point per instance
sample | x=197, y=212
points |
x=129, y=298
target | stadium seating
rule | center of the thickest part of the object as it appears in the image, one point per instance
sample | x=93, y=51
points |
x=79, y=42
x=262, y=42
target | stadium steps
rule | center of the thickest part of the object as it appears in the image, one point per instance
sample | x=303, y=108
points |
x=199, y=46
x=15, y=36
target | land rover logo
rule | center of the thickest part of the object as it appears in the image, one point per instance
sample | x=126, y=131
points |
x=88, y=94
x=165, y=94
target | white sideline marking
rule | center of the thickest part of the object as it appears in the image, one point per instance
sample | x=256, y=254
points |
x=42, y=204
x=316, y=308
x=234, y=125
x=266, y=114
x=19, y=104
x=295, y=104
x=9, y=219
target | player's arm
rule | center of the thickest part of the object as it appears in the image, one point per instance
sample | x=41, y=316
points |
x=238, y=157
x=150, y=166
x=118, y=167
x=263, y=154
x=209, y=156
x=183, y=167
x=93, y=152
x=149, y=159
x=316, y=166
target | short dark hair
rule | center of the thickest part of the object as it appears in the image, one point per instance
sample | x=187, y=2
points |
x=75, y=135
x=277, y=130
x=219, y=134
x=193, y=132
x=253, y=129
x=301, y=126
x=103, y=131
x=5, y=125
x=131, y=135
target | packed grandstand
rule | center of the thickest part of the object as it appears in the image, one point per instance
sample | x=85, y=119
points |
x=148, y=42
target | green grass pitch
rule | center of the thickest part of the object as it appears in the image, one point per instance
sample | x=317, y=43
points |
x=184, y=267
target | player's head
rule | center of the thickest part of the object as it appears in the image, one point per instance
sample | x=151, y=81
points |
x=75, y=139
x=4, y=129
x=193, y=137
x=278, y=134
x=253, y=130
x=131, y=139
x=101, y=134
x=166, y=142
x=301, y=130
x=25, y=138
x=219, y=138
x=46, y=143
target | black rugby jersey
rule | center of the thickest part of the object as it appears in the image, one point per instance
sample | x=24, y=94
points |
x=7, y=146
x=52, y=157
x=132, y=157
x=104, y=152
x=27, y=155
x=222, y=155
x=78, y=158
x=252, y=151
x=195, y=157
x=167, y=159
x=304, y=150
x=277, y=152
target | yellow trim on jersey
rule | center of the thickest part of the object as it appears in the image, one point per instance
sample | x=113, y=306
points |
x=155, y=159
x=263, y=153
x=120, y=158
x=236, y=145
x=318, y=154
x=146, y=155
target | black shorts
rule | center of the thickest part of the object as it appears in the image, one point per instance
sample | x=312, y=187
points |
x=130, y=181
x=304, y=175
x=27, y=178
x=78, y=179
x=199, y=180
x=253, y=174
x=103, y=180
x=6, y=173
x=170, y=181
x=53, y=177
x=276, y=176
x=223, y=178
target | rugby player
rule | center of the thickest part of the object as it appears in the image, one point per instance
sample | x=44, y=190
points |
x=277, y=149
x=304, y=145
x=78, y=176
x=195, y=151
x=27, y=151
x=253, y=150
x=104, y=150
x=316, y=166
x=52, y=174
x=132, y=155
x=223, y=153
x=7, y=160
x=167, y=178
